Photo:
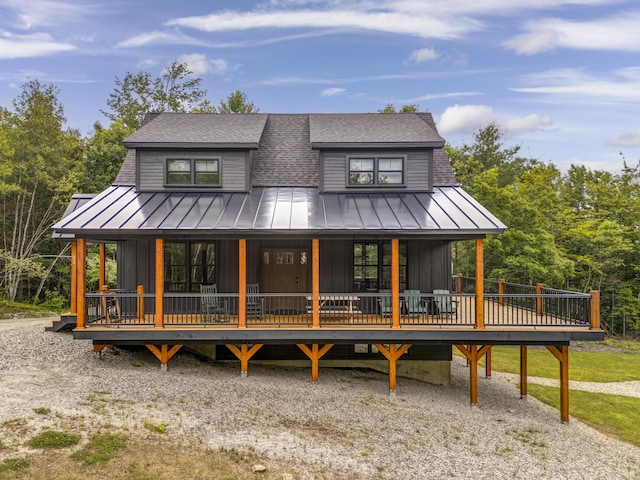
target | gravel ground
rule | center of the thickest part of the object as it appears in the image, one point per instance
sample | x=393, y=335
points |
x=346, y=423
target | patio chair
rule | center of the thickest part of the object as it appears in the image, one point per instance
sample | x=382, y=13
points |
x=445, y=304
x=213, y=307
x=255, y=302
x=384, y=302
x=416, y=306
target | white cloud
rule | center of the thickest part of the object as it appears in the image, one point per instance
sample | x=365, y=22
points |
x=330, y=92
x=25, y=46
x=423, y=55
x=618, y=32
x=438, y=96
x=38, y=13
x=528, y=123
x=199, y=64
x=469, y=118
x=465, y=118
x=629, y=139
x=621, y=85
x=159, y=38
x=417, y=21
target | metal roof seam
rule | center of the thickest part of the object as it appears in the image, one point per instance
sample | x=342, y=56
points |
x=193, y=204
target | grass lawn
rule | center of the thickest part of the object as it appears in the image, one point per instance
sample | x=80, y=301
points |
x=9, y=309
x=613, y=415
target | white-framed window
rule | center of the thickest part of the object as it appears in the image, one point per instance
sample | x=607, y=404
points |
x=365, y=171
x=192, y=171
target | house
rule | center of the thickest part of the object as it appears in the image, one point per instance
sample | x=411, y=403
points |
x=325, y=236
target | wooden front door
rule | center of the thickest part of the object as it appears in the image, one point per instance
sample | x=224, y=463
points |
x=285, y=270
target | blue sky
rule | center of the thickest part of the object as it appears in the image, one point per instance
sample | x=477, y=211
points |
x=561, y=78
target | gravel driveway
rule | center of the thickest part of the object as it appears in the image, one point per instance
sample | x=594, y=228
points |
x=346, y=423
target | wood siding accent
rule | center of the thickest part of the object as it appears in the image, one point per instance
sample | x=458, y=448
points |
x=234, y=168
x=418, y=173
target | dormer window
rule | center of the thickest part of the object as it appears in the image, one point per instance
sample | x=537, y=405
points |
x=193, y=171
x=376, y=171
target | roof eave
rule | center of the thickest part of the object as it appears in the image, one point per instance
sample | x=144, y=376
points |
x=194, y=145
x=377, y=145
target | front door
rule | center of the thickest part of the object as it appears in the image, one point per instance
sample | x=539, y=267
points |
x=285, y=270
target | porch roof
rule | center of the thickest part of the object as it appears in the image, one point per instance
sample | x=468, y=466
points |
x=120, y=211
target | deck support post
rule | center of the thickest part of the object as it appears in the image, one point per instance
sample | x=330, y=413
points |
x=393, y=353
x=244, y=354
x=242, y=283
x=487, y=364
x=473, y=355
x=81, y=282
x=315, y=353
x=315, y=282
x=102, y=276
x=562, y=354
x=159, y=318
x=479, y=283
x=523, y=372
x=395, y=283
x=98, y=348
x=73, y=300
x=164, y=353
x=594, y=310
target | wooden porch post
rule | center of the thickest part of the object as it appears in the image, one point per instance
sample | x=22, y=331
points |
x=314, y=354
x=395, y=283
x=73, y=296
x=101, y=267
x=315, y=282
x=242, y=284
x=81, y=282
x=523, y=371
x=140, y=292
x=562, y=354
x=473, y=355
x=392, y=354
x=539, y=302
x=459, y=283
x=501, y=284
x=595, y=310
x=479, y=283
x=159, y=282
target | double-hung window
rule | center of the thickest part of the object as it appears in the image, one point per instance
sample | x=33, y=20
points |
x=376, y=171
x=193, y=171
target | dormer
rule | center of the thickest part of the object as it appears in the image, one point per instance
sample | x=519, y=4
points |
x=193, y=152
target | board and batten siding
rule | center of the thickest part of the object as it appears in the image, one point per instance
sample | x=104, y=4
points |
x=151, y=165
x=418, y=169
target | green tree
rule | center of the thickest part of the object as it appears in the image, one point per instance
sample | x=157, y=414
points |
x=389, y=108
x=104, y=154
x=41, y=163
x=237, y=102
x=175, y=90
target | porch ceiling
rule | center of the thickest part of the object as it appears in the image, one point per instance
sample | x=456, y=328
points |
x=446, y=212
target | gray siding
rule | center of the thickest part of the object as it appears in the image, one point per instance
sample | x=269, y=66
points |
x=429, y=265
x=151, y=165
x=418, y=169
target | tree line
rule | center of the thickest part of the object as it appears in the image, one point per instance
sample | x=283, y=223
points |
x=577, y=230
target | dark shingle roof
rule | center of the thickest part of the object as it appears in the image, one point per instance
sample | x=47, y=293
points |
x=284, y=156
x=127, y=173
x=442, y=172
x=200, y=129
x=373, y=129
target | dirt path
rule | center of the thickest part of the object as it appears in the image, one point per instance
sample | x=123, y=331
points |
x=10, y=323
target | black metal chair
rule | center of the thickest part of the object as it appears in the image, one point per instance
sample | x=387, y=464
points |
x=255, y=302
x=213, y=307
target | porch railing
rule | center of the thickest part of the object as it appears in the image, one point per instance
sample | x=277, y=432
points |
x=553, y=308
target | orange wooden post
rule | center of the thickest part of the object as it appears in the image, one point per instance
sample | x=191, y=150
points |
x=164, y=353
x=473, y=355
x=244, y=354
x=315, y=282
x=242, y=283
x=459, y=283
x=487, y=364
x=501, y=284
x=395, y=283
x=479, y=283
x=159, y=321
x=594, y=310
x=562, y=354
x=392, y=354
x=315, y=354
x=101, y=266
x=140, y=292
x=73, y=297
x=539, y=300
x=81, y=266
x=523, y=371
